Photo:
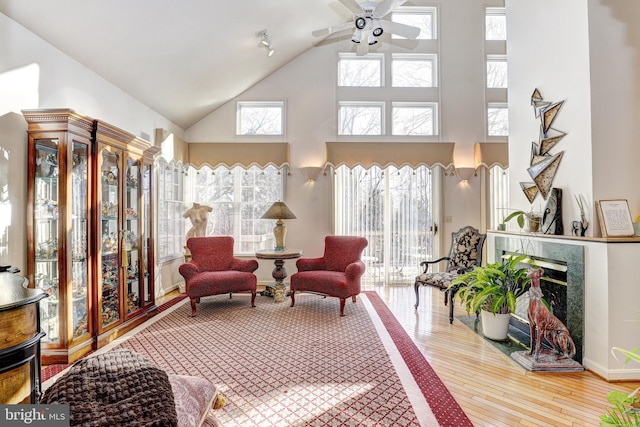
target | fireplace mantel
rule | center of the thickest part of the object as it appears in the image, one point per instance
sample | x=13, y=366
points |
x=525, y=235
x=611, y=295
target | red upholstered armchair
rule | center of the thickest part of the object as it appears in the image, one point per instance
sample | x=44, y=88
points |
x=213, y=270
x=336, y=274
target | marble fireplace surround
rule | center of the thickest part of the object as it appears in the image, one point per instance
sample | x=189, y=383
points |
x=610, y=289
x=573, y=256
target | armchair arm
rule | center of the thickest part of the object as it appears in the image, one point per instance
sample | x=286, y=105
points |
x=355, y=270
x=188, y=270
x=462, y=270
x=310, y=264
x=248, y=265
x=426, y=264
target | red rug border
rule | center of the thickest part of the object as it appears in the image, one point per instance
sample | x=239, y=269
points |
x=435, y=392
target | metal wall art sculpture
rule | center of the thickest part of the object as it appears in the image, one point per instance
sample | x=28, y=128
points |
x=543, y=164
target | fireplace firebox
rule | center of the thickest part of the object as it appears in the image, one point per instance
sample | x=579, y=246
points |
x=562, y=285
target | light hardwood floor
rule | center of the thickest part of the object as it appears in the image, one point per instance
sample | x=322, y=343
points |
x=491, y=388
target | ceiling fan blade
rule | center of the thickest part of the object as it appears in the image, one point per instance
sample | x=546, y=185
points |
x=363, y=46
x=353, y=6
x=402, y=30
x=385, y=6
x=332, y=30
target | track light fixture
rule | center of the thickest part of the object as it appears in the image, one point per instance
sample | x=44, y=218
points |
x=265, y=41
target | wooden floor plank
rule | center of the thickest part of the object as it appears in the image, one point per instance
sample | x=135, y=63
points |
x=492, y=388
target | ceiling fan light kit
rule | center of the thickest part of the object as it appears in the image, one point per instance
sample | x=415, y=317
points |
x=368, y=24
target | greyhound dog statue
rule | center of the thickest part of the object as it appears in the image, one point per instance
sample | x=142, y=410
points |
x=543, y=323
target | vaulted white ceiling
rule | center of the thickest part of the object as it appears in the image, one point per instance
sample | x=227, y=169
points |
x=181, y=58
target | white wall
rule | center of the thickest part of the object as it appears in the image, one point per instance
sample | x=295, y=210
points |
x=308, y=84
x=614, y=39
x=33, y=74
x=548, y=49
x=587, y=54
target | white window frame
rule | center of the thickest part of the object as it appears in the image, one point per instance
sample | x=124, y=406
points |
x=348, y=56
x=497, y=105
x=432, y=105
x=419, y=10
x=494, y=11
x=259, y=241
x=495, y=58
x=418, y=57
x=353, y=104
x=245, y=105
x=170, y=210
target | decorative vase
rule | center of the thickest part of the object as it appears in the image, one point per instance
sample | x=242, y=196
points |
x=495, y=326
x=533, y=223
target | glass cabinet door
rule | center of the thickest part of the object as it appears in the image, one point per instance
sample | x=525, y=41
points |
x=131, y=242
x=146, y=233
x=109, y=222
x=79, y=242
x=46, y=188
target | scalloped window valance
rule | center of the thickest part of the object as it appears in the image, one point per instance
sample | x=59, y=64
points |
x=490, y=154
x=243, y=154
x=385, y=154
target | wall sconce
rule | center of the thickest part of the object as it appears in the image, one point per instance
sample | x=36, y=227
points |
x=311, y=172
x=265, y=41
x=464, y=174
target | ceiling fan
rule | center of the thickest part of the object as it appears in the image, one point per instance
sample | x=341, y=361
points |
x=368, y=24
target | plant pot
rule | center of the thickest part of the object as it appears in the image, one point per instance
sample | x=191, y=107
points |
x=533, y=224
x=495, y=326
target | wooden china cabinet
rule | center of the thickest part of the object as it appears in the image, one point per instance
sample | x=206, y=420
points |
x=124, y=166
x=89, y=230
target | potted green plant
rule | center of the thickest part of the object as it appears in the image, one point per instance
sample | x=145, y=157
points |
x=492, y=290
x=533, y=220
x=625, y=408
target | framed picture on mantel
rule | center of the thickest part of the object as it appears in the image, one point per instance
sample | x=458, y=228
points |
x=615, y=218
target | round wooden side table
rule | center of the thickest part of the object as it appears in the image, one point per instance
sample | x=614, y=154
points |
x=279, y=273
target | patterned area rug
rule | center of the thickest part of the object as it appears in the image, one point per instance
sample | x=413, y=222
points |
x=301, y=366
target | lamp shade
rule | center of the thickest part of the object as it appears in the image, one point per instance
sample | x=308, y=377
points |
x=278, y=210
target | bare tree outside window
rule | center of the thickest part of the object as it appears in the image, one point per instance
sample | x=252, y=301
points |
x=255, y=118
x=361, y=119
x=360, y=72
x=392, y=208
x=497, y=120
x=420, y=17
x=496, y=72
x=413, y=120
x=413, y=71
x=495, y=24
x=239, y=197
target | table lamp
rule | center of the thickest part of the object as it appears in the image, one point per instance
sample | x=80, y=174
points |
x=279, y=211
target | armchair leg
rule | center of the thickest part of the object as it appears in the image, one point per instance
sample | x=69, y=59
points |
x=416, y=285
x=449, y=296
x=253, y=298
x=193, y=307
x=293, y=298
x=342, y=301
x=353, y=298
x=229, y=295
